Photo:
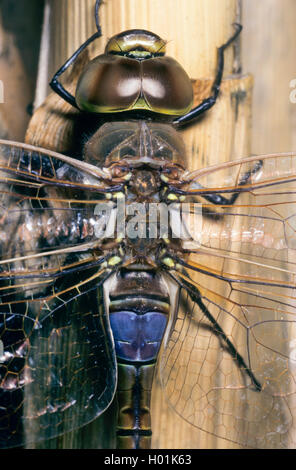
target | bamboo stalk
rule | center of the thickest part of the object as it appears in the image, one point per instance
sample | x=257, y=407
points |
x=269, y=52
x=194, y=29
x=18, y=55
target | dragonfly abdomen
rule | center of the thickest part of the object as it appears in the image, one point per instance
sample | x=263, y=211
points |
x=133, y=398
x=138, y=310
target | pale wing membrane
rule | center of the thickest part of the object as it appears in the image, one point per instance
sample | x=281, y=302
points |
x=58, y=370
x=239, y=384
x=262, y=215
x=226, y=177
x=46, y=197
x=209, y=385
x=47, y=166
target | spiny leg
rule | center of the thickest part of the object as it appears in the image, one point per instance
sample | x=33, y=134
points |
x=196, y=298
x=218, y=199
x=211, y=100
x=56, y=86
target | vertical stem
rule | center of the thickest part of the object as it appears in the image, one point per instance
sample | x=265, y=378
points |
x=194, y=29
x=19, y=47
x=269, y=52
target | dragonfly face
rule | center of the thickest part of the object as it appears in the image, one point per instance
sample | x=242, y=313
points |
x=94, y=283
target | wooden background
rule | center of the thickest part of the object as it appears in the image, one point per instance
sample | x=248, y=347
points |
x=268, y=51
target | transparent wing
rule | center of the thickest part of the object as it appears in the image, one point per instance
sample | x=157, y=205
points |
x=47, y=200
x=229, y=365
x=58, y=368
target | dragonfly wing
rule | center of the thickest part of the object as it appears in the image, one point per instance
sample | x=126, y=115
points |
x=240, y=386
x=229, y=362
x=58, y=370
x=71, y=370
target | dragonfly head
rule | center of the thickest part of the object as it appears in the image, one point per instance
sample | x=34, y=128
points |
x=134, y=75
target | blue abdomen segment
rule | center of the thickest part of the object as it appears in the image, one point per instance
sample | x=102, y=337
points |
x=137, y=337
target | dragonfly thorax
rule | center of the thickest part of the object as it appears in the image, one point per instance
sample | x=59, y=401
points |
x=144, y=183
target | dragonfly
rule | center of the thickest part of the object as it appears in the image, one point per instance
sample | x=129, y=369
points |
x=123, y=264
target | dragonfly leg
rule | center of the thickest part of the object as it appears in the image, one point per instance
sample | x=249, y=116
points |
x=218, y=199
x=196, y=298
x=56, y=85
x=207, y=103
